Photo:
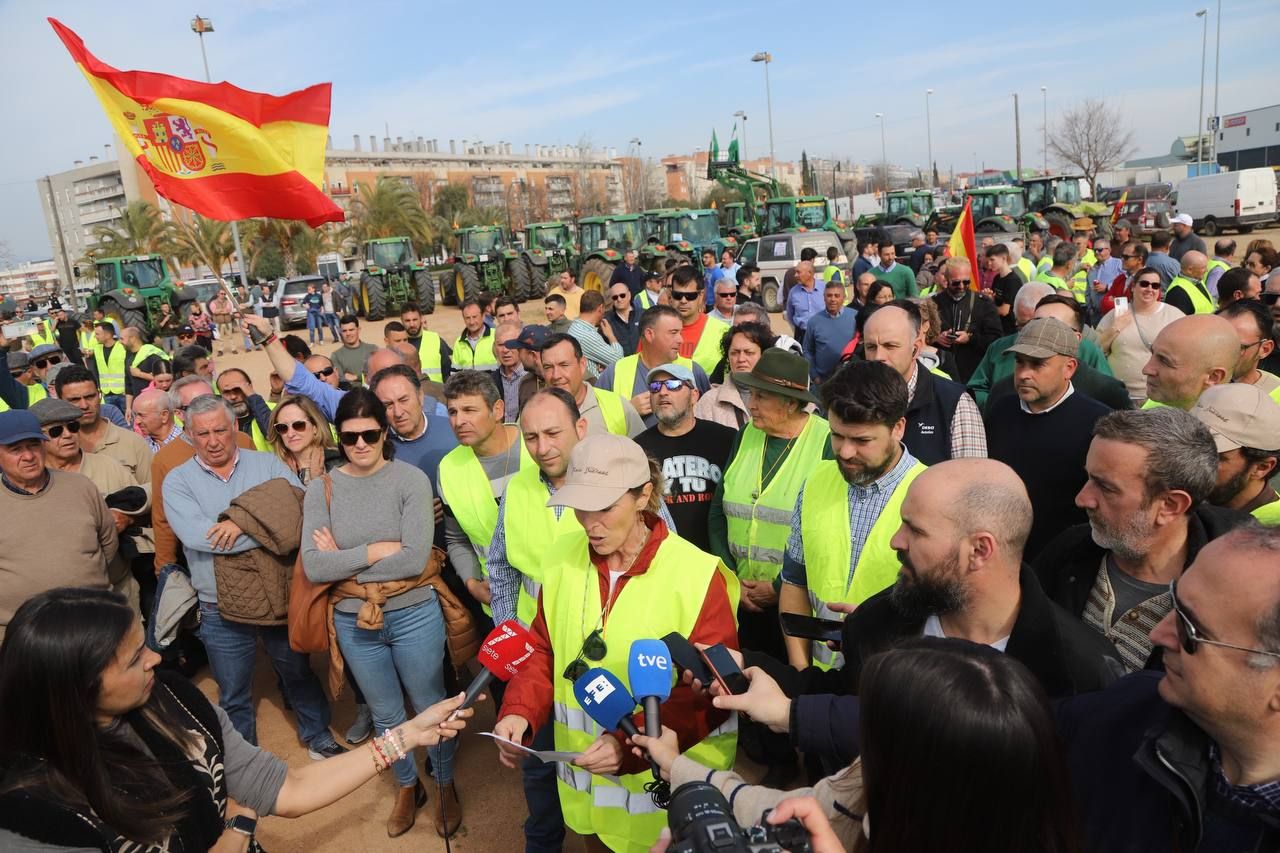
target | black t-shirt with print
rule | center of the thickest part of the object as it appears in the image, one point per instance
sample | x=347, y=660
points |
x=692, y=466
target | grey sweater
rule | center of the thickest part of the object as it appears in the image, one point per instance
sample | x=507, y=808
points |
x=392, y=505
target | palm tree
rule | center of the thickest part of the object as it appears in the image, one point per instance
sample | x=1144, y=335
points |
x=389, y=208
x=204, y=241
x=142, y=231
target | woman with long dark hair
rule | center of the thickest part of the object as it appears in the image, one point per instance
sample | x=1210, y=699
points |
x=100, y=750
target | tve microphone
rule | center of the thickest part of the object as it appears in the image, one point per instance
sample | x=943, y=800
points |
x=650, y=672
x=504, y=652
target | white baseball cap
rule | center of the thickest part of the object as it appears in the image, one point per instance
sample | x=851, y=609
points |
x=1181, y=219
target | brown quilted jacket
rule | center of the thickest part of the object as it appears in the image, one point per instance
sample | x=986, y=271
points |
x=253, y=586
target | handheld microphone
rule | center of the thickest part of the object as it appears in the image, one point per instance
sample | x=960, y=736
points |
x=507, y=648
x=606, y=701
x=650, y=671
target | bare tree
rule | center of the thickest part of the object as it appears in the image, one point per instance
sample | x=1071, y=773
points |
x=1092, y=137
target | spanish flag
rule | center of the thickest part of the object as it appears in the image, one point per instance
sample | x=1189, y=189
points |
x=219, y=150
x=963, y=244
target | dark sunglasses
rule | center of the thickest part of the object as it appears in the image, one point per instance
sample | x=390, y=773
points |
x=730, y=295
x=370, y=436
x=685, y=295
x=1189, y=635
x=42, y=363
x=964, y=281
x=283, y=428
x=1144, y=282
x=56, y=430
x=593, y=649
x=669, y=384
x=619, y=297
x=322, y=373
x=1128, y=255
x=1270, y=298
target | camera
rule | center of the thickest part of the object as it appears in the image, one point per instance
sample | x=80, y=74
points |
x=702, y=822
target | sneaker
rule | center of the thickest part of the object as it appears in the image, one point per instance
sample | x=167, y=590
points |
x=362, y=727
x=327, y=751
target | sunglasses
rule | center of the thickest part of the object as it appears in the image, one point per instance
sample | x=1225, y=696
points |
x=593, y=649
x=42, y=363
x=669, y=384
x=56, y=431
x=283, y=428
x=322, y=373
x=370, y=436
x=963, y=281
x=619, y=297
x=729, y=295
x=1128, y=255
x=1143, y=282
x=685, y=295
x=1189, y=636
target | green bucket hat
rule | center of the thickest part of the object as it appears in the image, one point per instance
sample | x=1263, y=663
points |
x=779, y=372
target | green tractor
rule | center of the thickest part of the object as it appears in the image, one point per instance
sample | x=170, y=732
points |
x=485, y=261
x=902, y=207
x=1000, y=210
x=549, y=249
x=737, y=222
x=799, y=213
x=131, y=289
x=604, y=240
x=1058, y=199
x=392, y=276
x=689, y=233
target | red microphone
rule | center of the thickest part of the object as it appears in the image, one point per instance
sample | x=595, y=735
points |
x=504, y=652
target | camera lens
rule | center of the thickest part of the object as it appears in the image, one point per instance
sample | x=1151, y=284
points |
x=700, y=819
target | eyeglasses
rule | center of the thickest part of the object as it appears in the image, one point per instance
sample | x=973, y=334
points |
x=1189, y=635
x=733, y=294
x=1246, y=347
x=669, y=384
x=56, y=430
x=1145, y=282
x=322, y=373
x=619, y=297
x=42, y=363
x=685, y=295
x=963, y=281
x=370, y=436
x=283, y=428
x=593, y=649
x=1128, y=255
x=1270, y=298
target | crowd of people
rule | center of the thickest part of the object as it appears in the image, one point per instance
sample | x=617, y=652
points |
x=1034, y=492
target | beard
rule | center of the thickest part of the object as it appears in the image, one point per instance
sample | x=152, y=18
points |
x=866, y=475
x=241, y=409
x=1228, y=490
x=670, y=417
x=917, y=596
x=1128, y=540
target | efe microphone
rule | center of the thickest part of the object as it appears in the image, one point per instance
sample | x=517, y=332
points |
x=607, y=702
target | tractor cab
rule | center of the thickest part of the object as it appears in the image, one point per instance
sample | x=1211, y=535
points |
x=910, y=206
x=1046, y=192
x=392, y=253
x=130, y=290
x=796, y=213
x=735, y=221
x=480, y=240
x=1007, y=202
x=548, y=236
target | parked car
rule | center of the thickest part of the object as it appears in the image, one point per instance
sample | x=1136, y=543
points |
x=1137, y=192
x=1146, y=215
x=289, y=293
x=777, y=255
x=1238, y=200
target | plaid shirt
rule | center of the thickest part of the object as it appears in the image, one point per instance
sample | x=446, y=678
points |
x=1263, y=797
x=156, y=445
x=968, y=435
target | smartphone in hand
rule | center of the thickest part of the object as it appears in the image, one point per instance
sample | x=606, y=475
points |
x=725, y=670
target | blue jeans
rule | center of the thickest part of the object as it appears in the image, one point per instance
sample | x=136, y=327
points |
x=313, y=326
x=405, y=657
x=330, y=323
x=116, y=400
x=233, y=647
x=544, y=828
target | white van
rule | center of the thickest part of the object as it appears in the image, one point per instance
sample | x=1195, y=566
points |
x=1237, y=200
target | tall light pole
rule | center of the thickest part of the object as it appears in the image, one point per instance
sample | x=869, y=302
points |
x=1204, y=48
x=1044, y=98
x=743, y=150
x=200, y=26
x=884, y=158
x=636, y=144
x=766, y=57
x=928, y=133
x=1017, y=136
x=1217, y=54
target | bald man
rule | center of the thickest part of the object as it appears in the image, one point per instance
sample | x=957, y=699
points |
x=943, y=422
x=964, y=523
x=1188, y=291
x=321, y=367
x=153, y=416
x=1188, y=356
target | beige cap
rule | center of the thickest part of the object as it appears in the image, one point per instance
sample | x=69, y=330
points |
x=1239, y=415
x=1046, y=337
x=602, y=468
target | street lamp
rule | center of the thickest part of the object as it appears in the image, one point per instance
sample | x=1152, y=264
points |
x=1044, y=129
x=928, y=131
x=1217, y=54
x=200, y=26
x=884, y=158
x=635, y=142
x=742, y=115
x=766, y=58
x=1204, y=46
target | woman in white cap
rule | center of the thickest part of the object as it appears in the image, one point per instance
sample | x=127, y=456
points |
x=624, y=577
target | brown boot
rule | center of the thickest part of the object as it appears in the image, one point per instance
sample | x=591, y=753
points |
x=409, y=799
x=447, y=806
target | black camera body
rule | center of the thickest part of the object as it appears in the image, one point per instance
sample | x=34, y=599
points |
x=702, y=822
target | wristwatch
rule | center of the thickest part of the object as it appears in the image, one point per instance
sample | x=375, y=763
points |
x=243, y=824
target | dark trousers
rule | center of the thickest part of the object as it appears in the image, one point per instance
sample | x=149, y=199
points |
x=762, y=632
x=544, y=828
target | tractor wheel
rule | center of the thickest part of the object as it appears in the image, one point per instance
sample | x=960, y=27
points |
x=426, y=289
x=124, y=317
x=448, y=295
x=537, y=280
x=596, y=274
x=1209, y=227
x=466, y=283
x=518, y=280
x=1059, y=223
x=770, y=295
x=374, y=296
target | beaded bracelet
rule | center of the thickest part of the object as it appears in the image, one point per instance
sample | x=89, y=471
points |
x=379, y=764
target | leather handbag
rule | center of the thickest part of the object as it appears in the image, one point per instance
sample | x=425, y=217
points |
x=309, y=602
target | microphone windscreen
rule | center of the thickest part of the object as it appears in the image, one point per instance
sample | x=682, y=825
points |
x=506, y=649
x=604, y=697
x=649, y=669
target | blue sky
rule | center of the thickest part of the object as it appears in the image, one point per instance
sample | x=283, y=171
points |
x=559, y=72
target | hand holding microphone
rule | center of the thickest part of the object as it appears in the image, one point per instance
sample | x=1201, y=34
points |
x=507, y=648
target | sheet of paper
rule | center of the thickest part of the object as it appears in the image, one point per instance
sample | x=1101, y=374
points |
x=545, y=756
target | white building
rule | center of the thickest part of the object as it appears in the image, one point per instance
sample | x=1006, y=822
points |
x=32, y=280
x=1250, y=139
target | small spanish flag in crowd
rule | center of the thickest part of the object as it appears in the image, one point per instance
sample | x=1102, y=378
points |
x=217, y=149
x=963, y=244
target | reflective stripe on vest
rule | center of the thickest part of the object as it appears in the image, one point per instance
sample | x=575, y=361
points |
x=110, y=369
x=1201, y=303
x=530, y=538
x=617, y=808
x=468, y=491
x=624, y=373
x=479, y=358
x=610, y=403
x=759, y=521
x=707, y=352
x=828, y=550
x=429, y=356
